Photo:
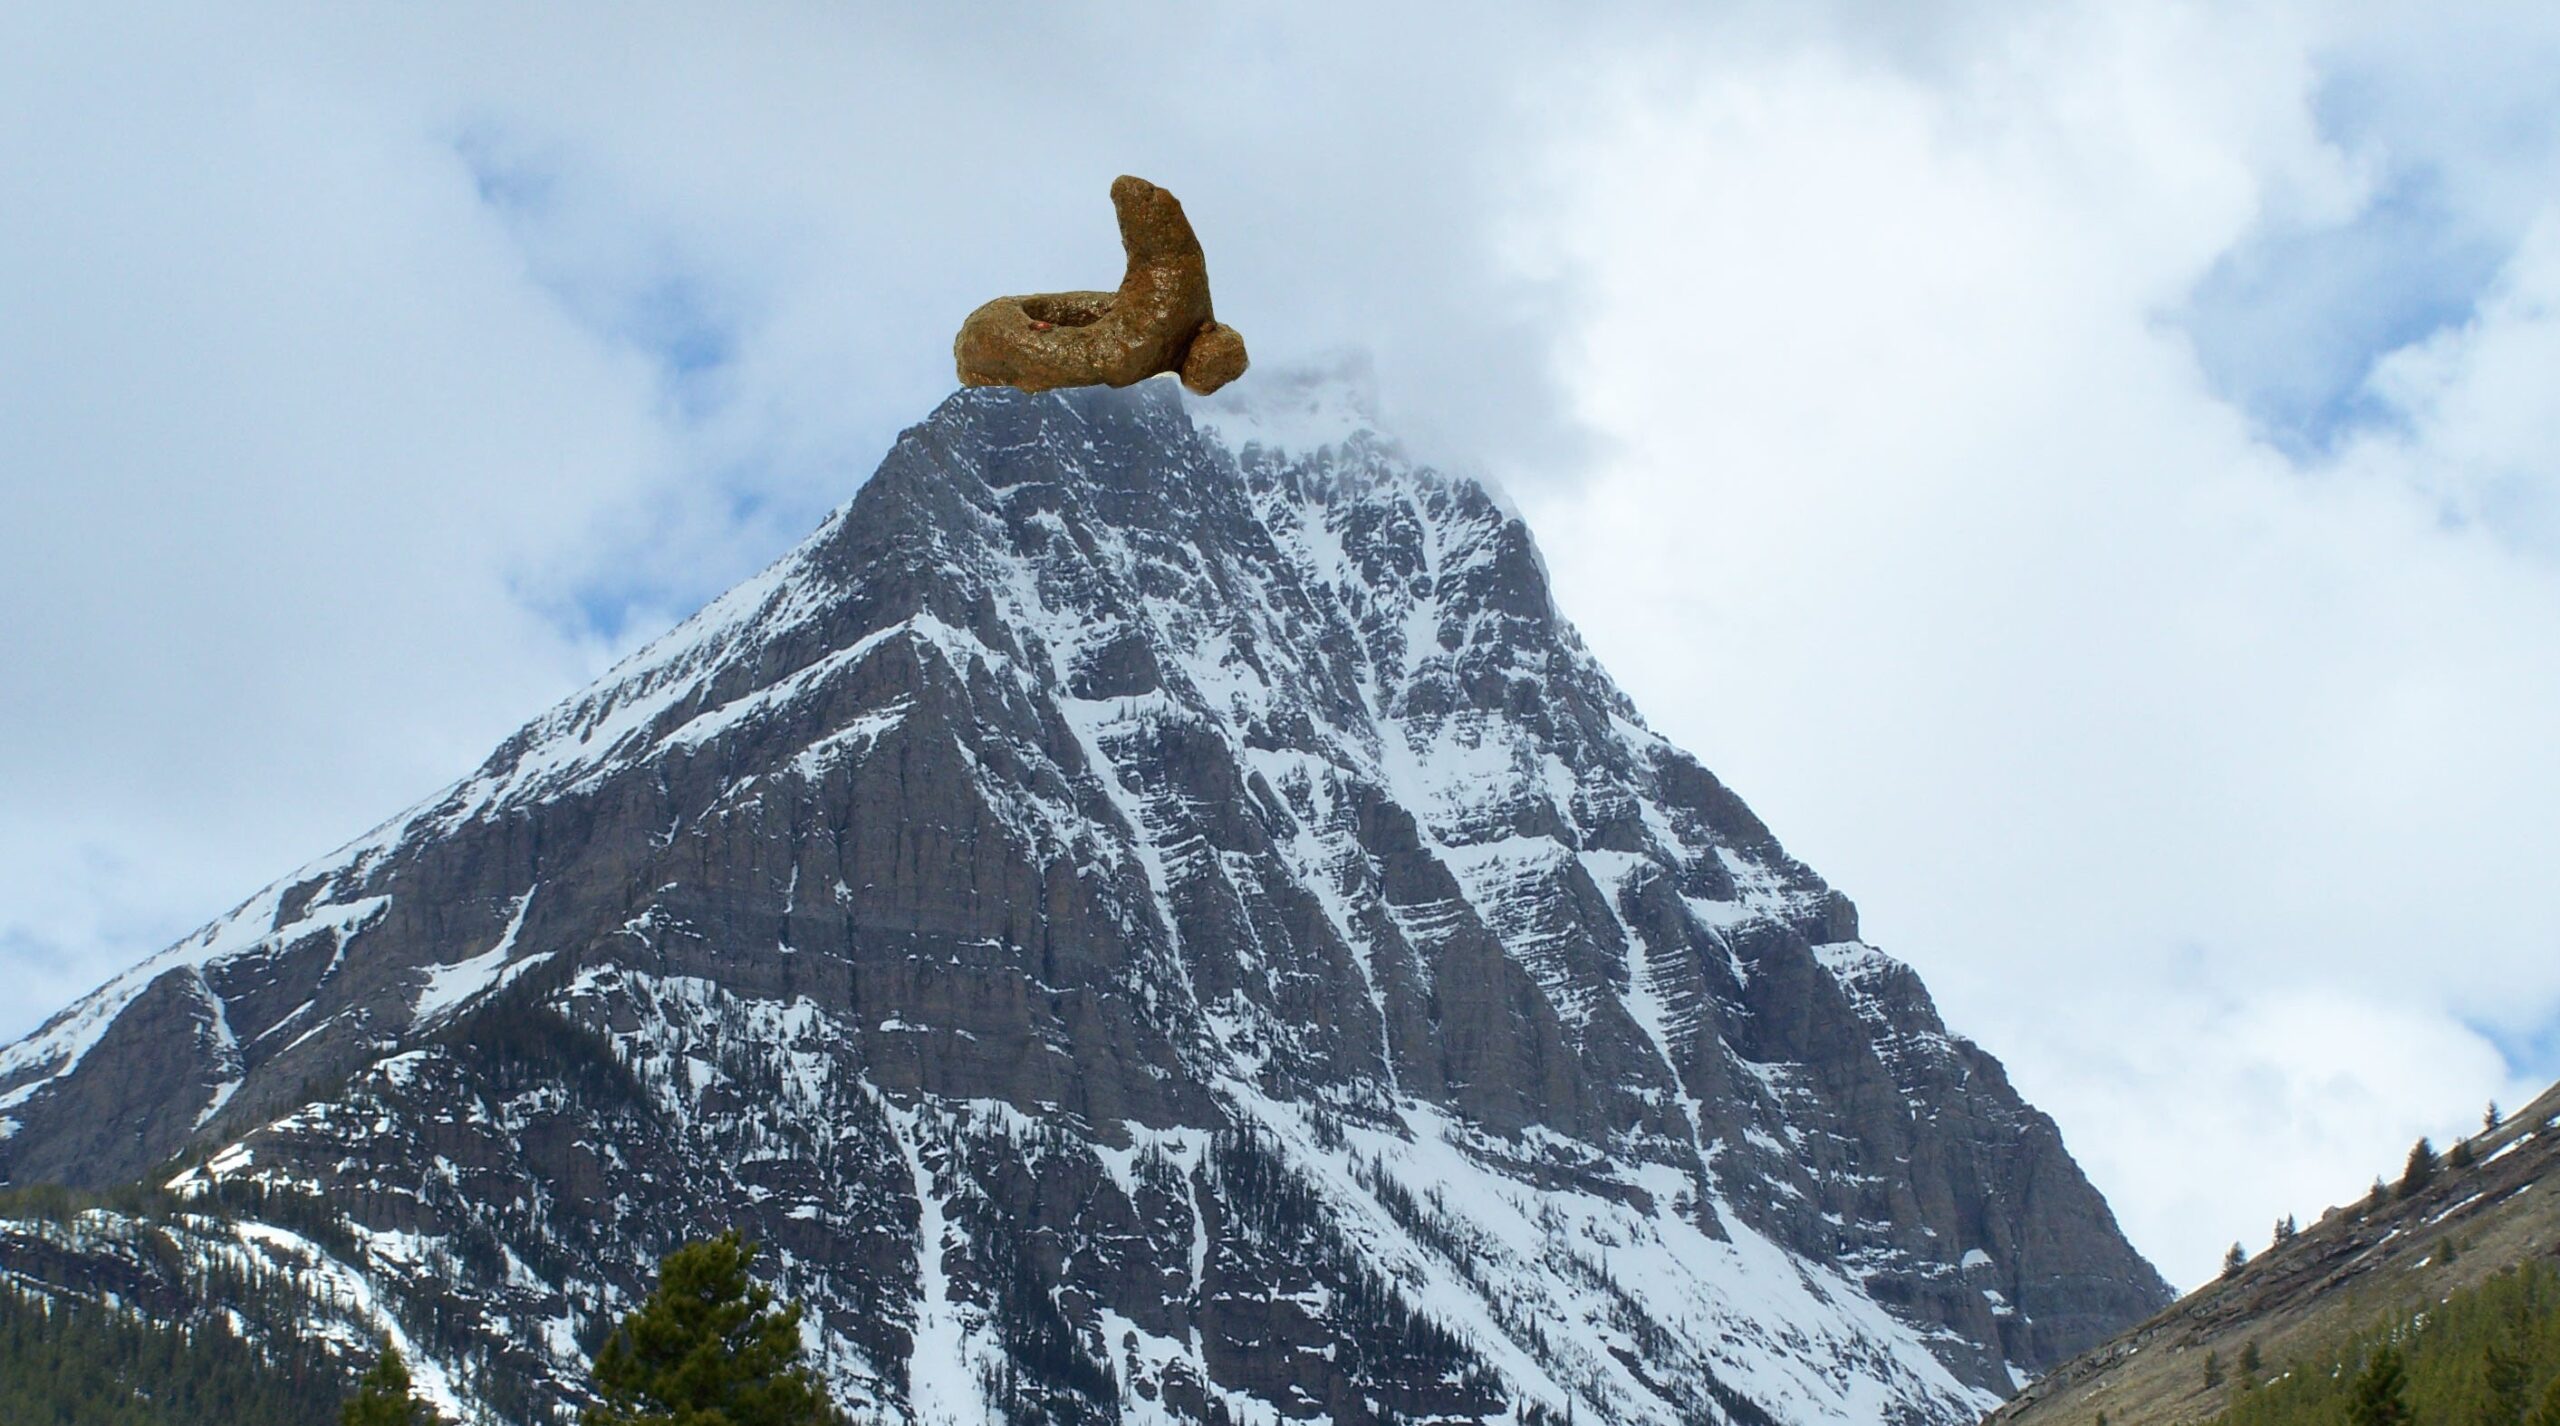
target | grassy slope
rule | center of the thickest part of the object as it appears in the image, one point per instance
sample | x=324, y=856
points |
x=2347, y=1274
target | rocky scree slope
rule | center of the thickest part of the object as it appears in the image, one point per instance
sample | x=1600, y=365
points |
x=1150, y=920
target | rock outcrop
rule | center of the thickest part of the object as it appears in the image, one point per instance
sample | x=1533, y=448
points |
x=1158, y=321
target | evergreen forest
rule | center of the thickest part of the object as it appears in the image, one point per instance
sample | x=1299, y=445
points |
x=2488, y=1355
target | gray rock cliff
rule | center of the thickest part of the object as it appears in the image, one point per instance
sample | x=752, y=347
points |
x=1150, y=922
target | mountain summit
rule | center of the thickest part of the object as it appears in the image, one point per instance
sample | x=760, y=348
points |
x=1150, y=919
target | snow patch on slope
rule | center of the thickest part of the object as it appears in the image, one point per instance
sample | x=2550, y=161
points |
x=58, y=1047
x=448, y=986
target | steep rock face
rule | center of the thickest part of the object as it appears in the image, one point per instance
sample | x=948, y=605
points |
x=1150, y=922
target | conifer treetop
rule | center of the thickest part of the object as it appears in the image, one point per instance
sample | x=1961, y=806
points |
x=708, y=1348
x=383, y=1396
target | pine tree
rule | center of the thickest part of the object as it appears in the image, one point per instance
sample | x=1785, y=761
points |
x=2548, y=1413
x=2212, y=1370
x=708, y=1346
x=2421, y=1168
x=2234, y=1261
x=2251, y=1363
x=2380, y=1396
x=2490, y=1118
x=2459, y=1157
x=383, y=1398
x=2503, y=1379
x=2285, y=1229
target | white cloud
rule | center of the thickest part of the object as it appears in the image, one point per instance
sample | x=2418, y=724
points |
x=344, y=368
x=285, y=431
x=1846, y=357
x=2477, y=431
x=2185, y=774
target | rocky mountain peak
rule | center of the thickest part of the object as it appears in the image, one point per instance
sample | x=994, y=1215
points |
x=1156, y=915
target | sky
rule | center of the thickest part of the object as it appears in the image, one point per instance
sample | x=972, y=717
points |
x=2087, y=474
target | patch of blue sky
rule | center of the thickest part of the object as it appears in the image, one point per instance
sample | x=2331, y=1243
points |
x=2532, y=1052
x=505, y=179
x=607, y=268
x=631, y=598
x=637, y=290
x=606, y=611
x=2459, y=129
x=687, y=333
x=2290, y=324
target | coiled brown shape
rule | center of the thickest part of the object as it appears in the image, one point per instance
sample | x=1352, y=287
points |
x=1159, y=320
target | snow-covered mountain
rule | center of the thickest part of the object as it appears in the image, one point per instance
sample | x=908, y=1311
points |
x=1152, y=915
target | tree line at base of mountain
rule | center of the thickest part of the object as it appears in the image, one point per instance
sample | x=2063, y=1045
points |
x=708, y=1344
x=2487, y=1355
x=69, y=1363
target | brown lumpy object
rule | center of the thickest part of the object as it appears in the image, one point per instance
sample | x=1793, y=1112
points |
x=1216, y=358
x=1159, y=320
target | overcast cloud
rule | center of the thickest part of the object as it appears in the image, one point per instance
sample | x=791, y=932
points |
x=2087, y=476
